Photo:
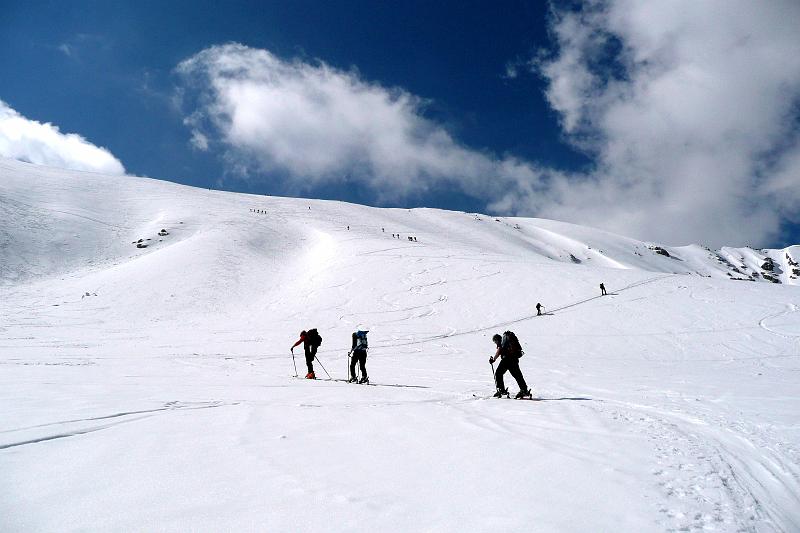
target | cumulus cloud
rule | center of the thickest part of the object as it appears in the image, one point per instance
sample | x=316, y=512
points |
x=691, y=110
x=43, y=144
x=320, y=125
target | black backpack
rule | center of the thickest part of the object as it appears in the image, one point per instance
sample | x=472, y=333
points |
x=314, y=338
x=511, y=344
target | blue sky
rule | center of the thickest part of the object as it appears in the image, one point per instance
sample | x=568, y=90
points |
x=641, y=118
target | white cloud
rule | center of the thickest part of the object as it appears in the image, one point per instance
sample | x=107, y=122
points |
x=691, y=109
x=322, y=125
x=43, y=144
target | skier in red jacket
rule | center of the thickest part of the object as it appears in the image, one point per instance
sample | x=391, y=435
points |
x=310, y=343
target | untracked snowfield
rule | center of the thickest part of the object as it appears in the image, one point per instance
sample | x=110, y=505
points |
x=152, y=389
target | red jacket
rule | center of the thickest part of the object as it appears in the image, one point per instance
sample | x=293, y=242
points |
x=303, y=339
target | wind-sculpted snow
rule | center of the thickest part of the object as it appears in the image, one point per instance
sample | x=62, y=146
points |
x=152, y=388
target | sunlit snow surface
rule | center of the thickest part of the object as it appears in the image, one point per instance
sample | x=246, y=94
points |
x=152, y=388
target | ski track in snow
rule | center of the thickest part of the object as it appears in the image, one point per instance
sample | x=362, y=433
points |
x=791, y=322
x=701, y=467
x=170, y=406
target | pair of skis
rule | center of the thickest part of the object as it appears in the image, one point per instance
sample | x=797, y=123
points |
x=370, y=384
x=505, y=396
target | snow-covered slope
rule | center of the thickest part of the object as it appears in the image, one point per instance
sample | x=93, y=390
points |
x=68, y=221
x=151, y=388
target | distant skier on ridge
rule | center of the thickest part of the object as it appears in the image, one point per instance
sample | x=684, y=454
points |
x=311, y=340
x=508, y=351
x=603, y=290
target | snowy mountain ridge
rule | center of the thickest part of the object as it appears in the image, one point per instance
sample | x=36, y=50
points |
x=534, y=238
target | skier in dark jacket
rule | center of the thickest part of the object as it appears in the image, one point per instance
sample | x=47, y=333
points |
x=359, y=351
x=509, y=353
x=603, y=290
x=310, y=348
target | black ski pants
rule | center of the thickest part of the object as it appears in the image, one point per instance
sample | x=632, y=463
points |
x=360, y=357
x=311, y=353
x=510, y=364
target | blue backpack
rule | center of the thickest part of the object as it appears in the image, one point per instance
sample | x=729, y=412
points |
x=361, y=340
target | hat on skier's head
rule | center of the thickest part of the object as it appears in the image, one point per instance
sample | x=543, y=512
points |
x=497, y=338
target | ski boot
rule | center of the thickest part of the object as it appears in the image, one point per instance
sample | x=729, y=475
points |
x=311, y=375
x=364, y=380
x=353, y=380
x=500, y=393
x=524, y=394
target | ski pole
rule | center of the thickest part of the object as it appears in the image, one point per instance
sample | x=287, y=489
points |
x=357, y=373
x=323, y=368
x=295, y=364
x=494, y=376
